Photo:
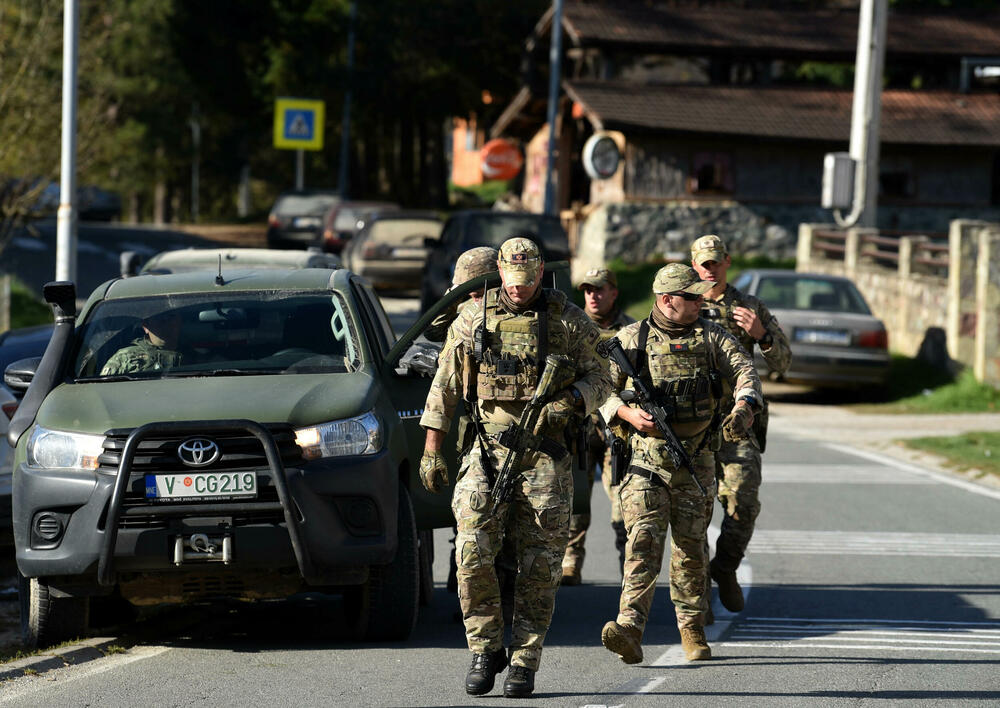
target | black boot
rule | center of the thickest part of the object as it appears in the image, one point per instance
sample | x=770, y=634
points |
x=483, y=671
x=621, y=538
x=520, y=682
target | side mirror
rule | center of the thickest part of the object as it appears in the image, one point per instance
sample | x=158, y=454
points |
x=61, y=294
x=19, y=374
x=129, y=263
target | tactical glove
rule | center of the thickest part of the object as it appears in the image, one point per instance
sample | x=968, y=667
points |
x=433, y=471
x=555, y=414
x=737, y=424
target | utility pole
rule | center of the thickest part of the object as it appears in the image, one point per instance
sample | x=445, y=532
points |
x=555, y=69
x=866, y=113
x=345, y=128
x=66, y=216
x=195, y=124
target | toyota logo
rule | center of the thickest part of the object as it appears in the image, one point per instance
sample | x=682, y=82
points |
x=198, y=452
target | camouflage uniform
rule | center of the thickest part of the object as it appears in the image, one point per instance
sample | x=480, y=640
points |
x=655, y=495
x=471, y=264
x=537, y=513
x=597, y=451
x=139, y=357
x=737, y=464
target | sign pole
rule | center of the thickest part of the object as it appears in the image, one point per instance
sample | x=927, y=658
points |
x=300, y=169
x=555, y=56
x=66, y=216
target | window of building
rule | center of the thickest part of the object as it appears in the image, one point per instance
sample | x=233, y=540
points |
x=711, y=173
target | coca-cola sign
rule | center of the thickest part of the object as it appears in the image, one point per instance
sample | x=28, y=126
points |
x=500, y=159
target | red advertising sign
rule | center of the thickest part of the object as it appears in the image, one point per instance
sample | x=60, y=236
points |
x=500, y=159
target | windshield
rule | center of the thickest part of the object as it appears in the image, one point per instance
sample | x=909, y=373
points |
x=408, y=232
x=789, y=293
x=300, y=204
x=263, y=332
x=494, y=230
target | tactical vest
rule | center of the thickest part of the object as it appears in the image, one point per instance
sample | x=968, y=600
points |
x=682, y=370
x=513, y=354
x=721, y=313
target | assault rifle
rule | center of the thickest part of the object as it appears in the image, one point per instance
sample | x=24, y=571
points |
x=648, y=401
x=517, y=438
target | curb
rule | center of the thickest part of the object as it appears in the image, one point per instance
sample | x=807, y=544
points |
x=72, y=655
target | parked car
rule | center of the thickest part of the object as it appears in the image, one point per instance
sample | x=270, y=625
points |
x=296, y=218
x=15, y=344
x=277, y=454
x=343, y=220
x=482, y=227
x=835, y=339
x=391, y=248
x=187, y=259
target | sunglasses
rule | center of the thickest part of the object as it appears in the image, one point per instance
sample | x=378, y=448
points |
x=690, y=297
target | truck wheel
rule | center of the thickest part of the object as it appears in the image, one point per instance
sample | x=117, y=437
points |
x=47, y=619
x=426, y=566
x=385, y=608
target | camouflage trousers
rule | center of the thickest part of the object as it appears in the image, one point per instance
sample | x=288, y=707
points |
x=579, y=524
x=537, y=519
x=737, y=469
x=651, y=507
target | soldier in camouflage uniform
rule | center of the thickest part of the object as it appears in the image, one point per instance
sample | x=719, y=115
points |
x=600, y=293
x=737, y=464
x=156, y=350
x=681, y=356
x=471, y=264
x=520, y=323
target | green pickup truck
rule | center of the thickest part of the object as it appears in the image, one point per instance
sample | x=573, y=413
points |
x=268, y=446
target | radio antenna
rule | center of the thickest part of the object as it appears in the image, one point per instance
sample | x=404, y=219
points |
x=219, y=280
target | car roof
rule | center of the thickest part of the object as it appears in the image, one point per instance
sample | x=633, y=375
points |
x=235, y=280
x=188, y=258
x=494, y=214
x=785, y=273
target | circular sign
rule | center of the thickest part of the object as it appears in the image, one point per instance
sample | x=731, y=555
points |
x=601, y=156
x=500, y=159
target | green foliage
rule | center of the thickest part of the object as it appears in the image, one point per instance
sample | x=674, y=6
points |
x=916, y=388
x=477, y=195
x=979, y=450
x=833, y=74
x=25, y=307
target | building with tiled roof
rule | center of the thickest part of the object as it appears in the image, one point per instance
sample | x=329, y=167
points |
x=713, y=103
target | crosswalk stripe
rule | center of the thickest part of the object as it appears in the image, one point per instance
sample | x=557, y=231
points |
x=807, y=473
x=876, y=543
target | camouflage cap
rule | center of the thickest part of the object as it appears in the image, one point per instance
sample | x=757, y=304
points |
x=597, y=277
x=519, y=261
x=708, y=248
x=676, y=278
x=475, y=262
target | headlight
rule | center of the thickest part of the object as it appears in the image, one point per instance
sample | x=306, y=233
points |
x=351, y=436
x=57, y=450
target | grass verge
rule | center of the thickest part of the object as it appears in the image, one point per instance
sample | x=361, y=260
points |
x=965, y=452
x=26, y=309
x=915, y=387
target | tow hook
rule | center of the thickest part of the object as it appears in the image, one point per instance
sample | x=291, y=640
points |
x=202, y=547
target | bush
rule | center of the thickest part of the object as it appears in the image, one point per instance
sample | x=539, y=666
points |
x=26, y=309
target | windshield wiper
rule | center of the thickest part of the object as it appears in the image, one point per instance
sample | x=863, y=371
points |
x=222, y=372
x=112, y=378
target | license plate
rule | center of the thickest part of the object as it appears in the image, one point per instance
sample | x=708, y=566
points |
x=202, y=485
x=838, y=337
x=305, y=222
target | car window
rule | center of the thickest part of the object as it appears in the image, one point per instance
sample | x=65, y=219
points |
x=490, y=230
x=812, y=294
x=294, y=204
x=285, y=332
x=384, y=333
x=347, y=217
x=743, y=281
x=404, y=232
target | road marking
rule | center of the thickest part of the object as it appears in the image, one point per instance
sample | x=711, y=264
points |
x=868, y=634
x=27, y=685
x=788, y=473
x=913, y=469
x=876, y=543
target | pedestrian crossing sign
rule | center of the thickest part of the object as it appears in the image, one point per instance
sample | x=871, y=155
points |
x=298, y=124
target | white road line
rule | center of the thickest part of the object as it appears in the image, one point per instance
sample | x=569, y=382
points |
x=861, y=621
x=805, y=473
x=870, y=647
x=876, y=543
x=19, y=688
x=913, y=469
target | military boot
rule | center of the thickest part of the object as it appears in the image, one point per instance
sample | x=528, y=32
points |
x=730, y=592
x=483, y=672
x=520, y=682
x=624, y=640
x=695, y=645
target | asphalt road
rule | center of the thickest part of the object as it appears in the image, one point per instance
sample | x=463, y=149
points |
x=869, y=581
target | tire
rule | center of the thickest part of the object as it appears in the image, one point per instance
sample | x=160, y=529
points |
x=385, y=608
x=426, y=563
x=46, y=619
